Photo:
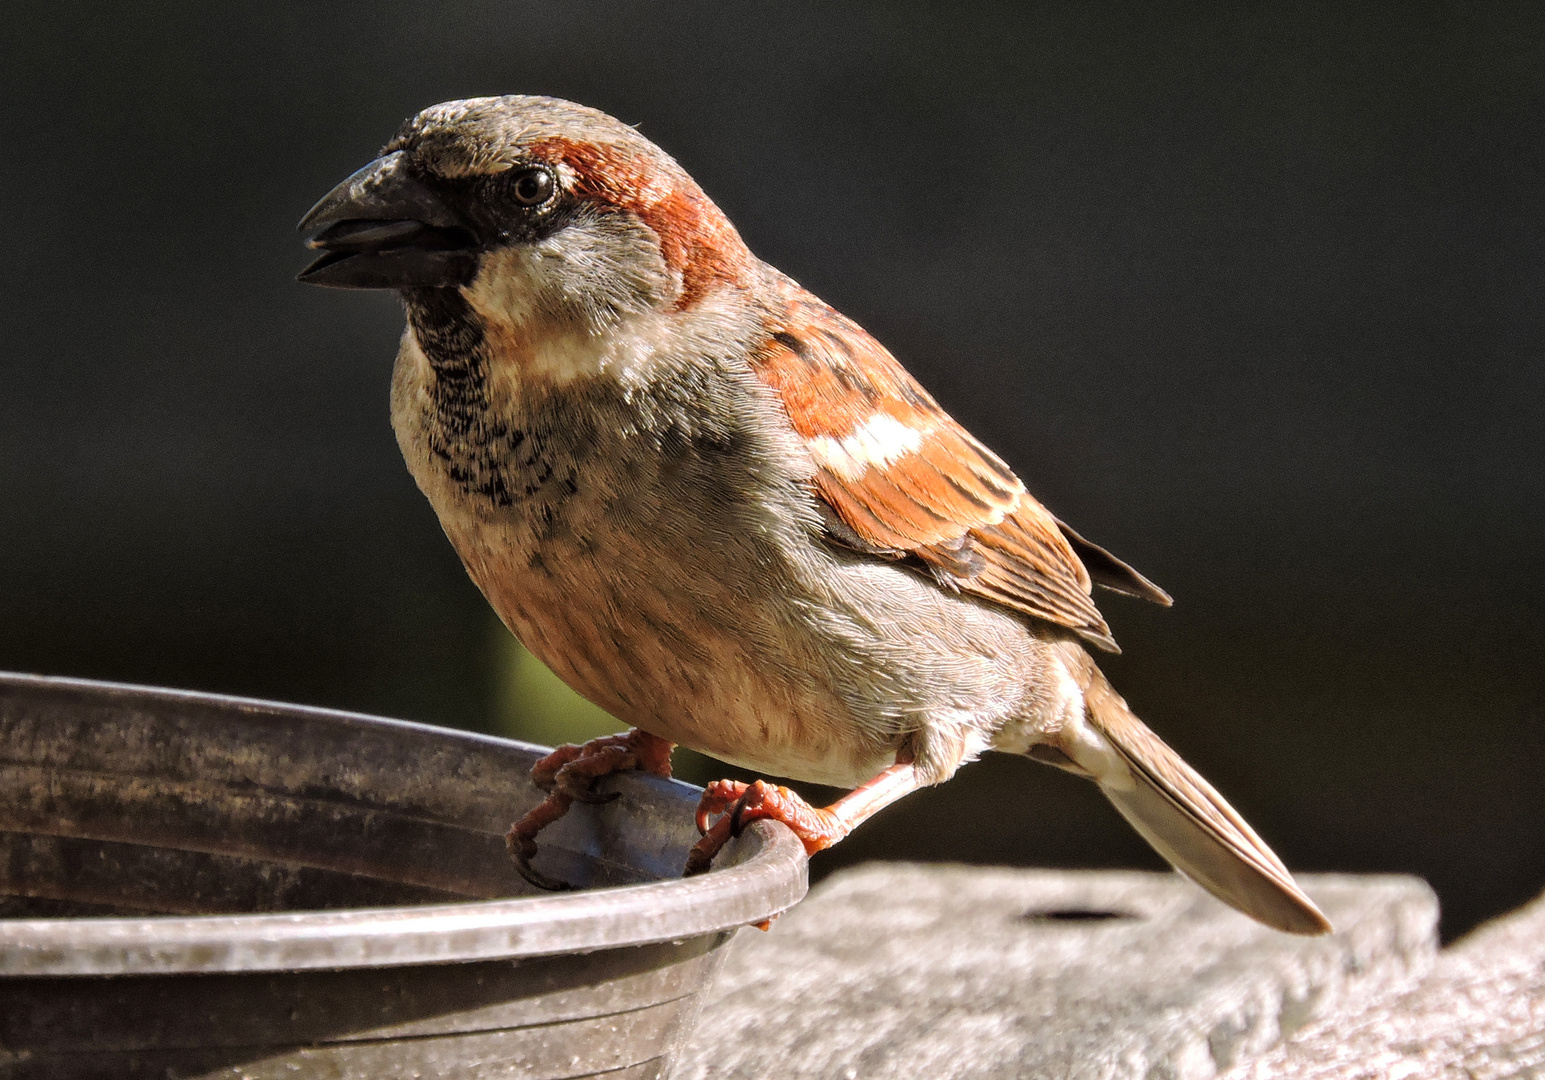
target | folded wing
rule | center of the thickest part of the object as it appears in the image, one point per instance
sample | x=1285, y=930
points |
x=902, y=480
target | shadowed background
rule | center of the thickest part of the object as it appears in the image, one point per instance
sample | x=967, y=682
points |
x=1253, y=299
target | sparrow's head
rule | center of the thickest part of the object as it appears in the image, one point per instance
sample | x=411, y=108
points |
x=550, y=209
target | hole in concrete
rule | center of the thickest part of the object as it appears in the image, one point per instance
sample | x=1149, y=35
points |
x=1076, y=915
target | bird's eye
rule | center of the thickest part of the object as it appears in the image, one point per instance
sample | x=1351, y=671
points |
x=533, y=187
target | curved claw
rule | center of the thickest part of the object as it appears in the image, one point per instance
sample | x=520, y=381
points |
x=737, y=817
x=592, y=798
x=729, y=800
x=739, y=804
x=752, y=797
x=522, y=851
x=718, y=797
x=568, y=775
x=700, y=858
x=539, y=879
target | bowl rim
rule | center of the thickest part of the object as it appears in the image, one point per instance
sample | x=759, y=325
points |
x=762, y=874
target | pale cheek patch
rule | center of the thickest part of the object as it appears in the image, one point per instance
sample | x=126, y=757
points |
x=874, y=444
x=565, y=358
x=528, y=347
x=505, y=285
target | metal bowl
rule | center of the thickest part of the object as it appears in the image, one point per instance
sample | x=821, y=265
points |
x=194, y=885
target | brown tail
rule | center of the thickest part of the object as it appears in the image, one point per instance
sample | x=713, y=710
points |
x=1188, y=822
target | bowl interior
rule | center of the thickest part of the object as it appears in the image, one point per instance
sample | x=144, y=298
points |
x=125, y=801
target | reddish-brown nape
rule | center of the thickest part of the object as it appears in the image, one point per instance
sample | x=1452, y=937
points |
x=908, y=481
x=697, y=241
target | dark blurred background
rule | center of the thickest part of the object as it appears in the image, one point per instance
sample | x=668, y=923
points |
x=1253, y=298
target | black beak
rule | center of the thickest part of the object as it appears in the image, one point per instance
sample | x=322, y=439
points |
x=383, y=228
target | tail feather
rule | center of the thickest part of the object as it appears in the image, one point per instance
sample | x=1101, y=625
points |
x=1191, y=825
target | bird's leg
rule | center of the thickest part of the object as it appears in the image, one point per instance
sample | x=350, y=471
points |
x=568, y=775
x=735, y=804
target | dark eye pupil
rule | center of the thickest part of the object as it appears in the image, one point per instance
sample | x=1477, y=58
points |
x=533, y=187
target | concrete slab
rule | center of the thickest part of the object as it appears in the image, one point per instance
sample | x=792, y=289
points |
x=941, y=972
x=1480, y=1015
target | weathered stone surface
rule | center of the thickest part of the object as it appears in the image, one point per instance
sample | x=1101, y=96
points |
x=895, y=970
x=1480, y=1015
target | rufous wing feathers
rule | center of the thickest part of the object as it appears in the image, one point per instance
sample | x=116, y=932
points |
x=905, y=481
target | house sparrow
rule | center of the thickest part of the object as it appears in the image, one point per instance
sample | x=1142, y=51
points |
x=722, y=511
